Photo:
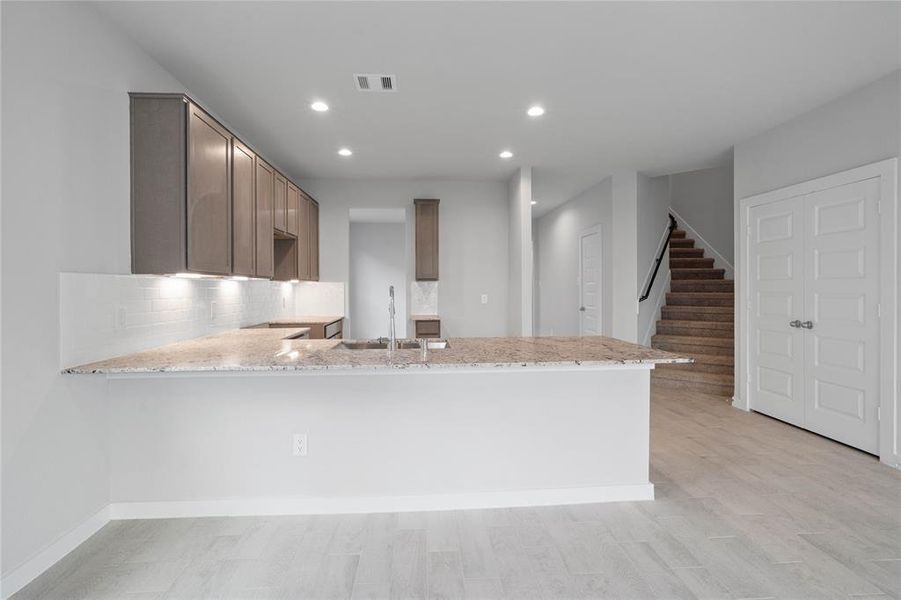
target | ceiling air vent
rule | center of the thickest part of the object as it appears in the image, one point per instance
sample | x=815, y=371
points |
x=369, y=82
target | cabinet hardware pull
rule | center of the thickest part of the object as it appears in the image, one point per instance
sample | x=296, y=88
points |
x=796, y=323
x=807, y=324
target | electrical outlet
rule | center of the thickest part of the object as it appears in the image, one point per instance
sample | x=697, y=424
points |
x=484, y=298
x=213, y=305
x=121, y=317
x=299, y=447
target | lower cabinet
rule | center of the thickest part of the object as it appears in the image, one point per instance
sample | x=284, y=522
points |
x=427, y=328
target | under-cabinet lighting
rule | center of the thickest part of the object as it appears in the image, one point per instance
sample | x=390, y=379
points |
x=190, y=275
x=319, y=106
x=239, y=278
x=506, y=154
x=345, y=152
x=535, y=111
x=294, y=281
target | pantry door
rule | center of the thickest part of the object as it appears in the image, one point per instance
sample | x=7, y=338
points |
x=776, y=281
x=841, y=320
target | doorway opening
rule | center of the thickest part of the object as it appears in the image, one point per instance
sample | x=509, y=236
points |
x=378, y=260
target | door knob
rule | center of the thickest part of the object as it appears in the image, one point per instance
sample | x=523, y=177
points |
x=807, y=324
x=581, y=309
x=796, y=323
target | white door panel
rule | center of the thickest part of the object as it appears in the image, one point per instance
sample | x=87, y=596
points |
x=841, y=351
x=776, y=283
x=590, y=283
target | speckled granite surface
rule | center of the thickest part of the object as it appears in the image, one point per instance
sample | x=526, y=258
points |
x=268, y=350
x=313, y=320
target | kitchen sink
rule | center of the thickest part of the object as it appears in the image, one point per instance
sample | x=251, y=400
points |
x=401, y=345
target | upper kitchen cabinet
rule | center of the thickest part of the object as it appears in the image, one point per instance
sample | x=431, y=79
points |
x=426, y=239
x=265, y=198
x=243, y=210
x=292, y=210
x=180, y=187
x=314, y=240
x=308, y=239
x=281, y=203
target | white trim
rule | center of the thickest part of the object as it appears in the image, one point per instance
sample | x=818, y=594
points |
x=719, y=261
x=887, y=171
x=659, y=301
x=596, y=229
x=378, y=504
x=49, y=556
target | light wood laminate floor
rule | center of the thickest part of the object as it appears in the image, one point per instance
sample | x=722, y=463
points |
x=747, y=507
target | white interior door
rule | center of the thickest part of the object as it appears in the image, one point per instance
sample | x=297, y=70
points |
x=590, y=283
x=775, y=276
x=841, y=302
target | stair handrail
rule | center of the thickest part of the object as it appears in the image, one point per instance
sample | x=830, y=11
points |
x=669, y=234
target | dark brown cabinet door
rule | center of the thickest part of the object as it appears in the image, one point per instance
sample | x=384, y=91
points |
x=292, y=209
x=265, y=181
x=303, y=238
x=314, y=241
x=243, y=210
x=281, y=202
x=209, y=194
x=426, y=239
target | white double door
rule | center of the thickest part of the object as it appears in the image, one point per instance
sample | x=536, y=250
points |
x=814, y=290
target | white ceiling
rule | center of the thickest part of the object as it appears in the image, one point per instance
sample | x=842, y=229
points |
x=657, y=87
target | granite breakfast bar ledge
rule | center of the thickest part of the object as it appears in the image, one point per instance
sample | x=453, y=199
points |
x=272, y=350
x=206, y=428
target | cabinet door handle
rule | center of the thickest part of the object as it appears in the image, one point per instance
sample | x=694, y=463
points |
x=807, y=324
x=796, y=323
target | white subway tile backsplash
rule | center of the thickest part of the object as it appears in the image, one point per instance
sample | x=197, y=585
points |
x=320, y=298
x=104, y=315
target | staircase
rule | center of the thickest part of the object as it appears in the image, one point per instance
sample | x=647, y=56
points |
x=698, y=321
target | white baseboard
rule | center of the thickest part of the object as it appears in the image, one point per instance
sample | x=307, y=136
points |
x=240, y=507
x=49, y=556
x=719, y=261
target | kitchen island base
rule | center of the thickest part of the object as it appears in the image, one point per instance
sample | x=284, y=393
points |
x=192, y=444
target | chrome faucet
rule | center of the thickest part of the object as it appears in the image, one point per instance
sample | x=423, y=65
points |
x=392, y=336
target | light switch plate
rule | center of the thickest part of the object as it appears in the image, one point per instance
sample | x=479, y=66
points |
x=299, y=447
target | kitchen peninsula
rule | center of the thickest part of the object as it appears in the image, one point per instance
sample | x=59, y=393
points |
x=264, y=421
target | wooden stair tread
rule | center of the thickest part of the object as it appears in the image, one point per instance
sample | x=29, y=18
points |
x=687, y=340
x=676, y=252
x=701, y=273
x=690, y=262
x=687, y=375
x=719, y=325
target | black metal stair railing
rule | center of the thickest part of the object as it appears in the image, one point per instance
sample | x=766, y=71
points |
x=669, y=234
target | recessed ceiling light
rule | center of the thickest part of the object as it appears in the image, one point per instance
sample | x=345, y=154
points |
x=345, y=152
x=319, y=106
x=534, y=202
x=535, y=111
x=506, y=154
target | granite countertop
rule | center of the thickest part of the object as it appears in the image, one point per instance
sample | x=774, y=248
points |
x=271, y=350
x=313, y=320
x=425, y=317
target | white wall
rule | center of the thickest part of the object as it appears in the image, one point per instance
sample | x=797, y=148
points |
x=65, y=187
x=704, y=200
x=473, y=238
x=625, y=256
x=652, y=225
x=519, y=198
x=557, y=259
x=856, y=129
x=377, y=261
